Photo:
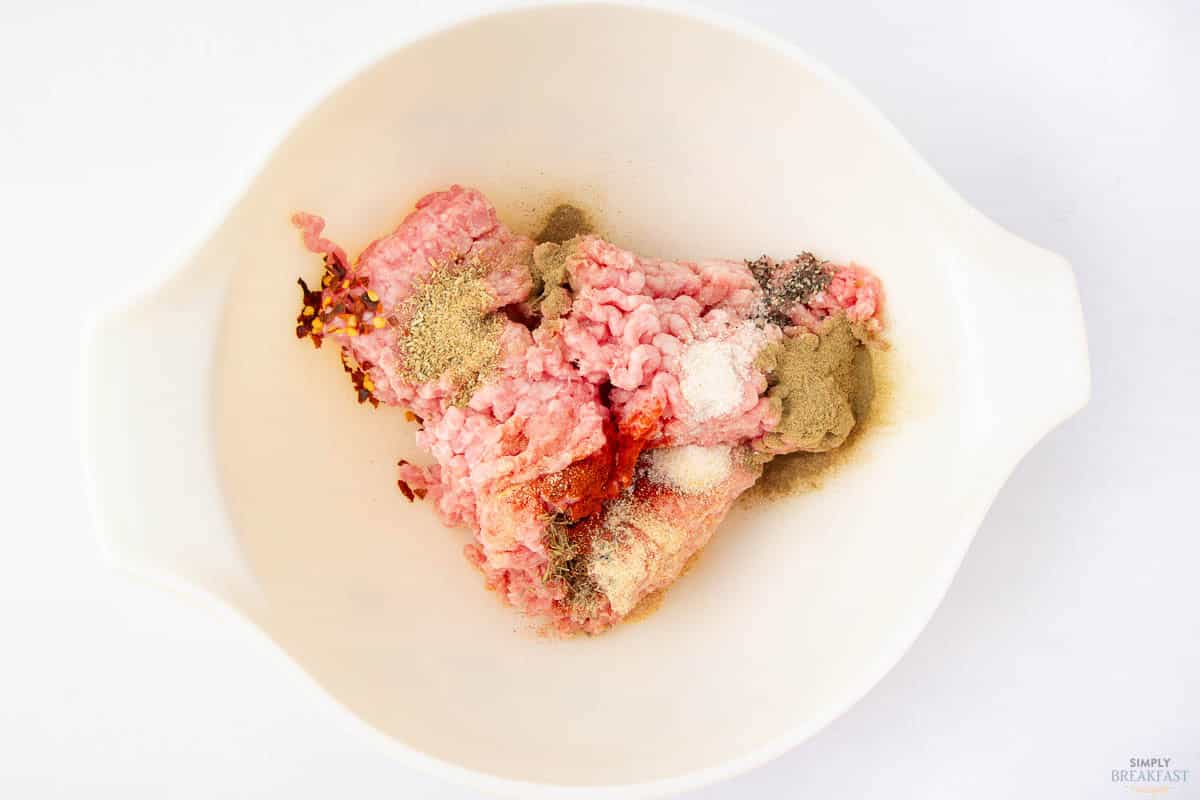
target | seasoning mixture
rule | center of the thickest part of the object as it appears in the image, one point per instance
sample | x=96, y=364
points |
x=449, y=330
x=593, y=414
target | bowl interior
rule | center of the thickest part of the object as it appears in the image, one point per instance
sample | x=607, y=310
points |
x=684, y=140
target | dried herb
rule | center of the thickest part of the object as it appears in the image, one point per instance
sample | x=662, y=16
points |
x=560, y=551
x=567, y=564
x=450, y=329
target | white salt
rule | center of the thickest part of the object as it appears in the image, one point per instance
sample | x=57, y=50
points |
x=714, y=372
x=691, y=469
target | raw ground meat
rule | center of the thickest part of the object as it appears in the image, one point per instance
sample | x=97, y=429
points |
x=555, y=434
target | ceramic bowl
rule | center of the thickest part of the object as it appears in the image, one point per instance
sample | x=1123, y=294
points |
x=226, y=457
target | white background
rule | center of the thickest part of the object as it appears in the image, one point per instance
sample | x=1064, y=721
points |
x=1069, y=641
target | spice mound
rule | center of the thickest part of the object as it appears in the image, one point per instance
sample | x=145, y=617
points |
x=592, y=414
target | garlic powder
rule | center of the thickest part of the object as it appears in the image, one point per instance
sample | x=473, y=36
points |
x=690, y=469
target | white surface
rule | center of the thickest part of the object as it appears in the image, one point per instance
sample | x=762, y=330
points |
x=1069, y=641
x=805, y=605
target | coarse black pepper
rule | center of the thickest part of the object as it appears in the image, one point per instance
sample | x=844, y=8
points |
x=786, y=283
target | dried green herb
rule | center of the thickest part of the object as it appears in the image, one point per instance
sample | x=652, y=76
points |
x=567, y=564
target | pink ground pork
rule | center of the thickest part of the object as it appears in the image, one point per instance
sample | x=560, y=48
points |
x=562, y=431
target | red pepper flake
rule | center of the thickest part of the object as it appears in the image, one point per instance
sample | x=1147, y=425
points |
x=342, y=299
x=311, y=301
x=407, y=490
x=363, y=385
x=335, y=267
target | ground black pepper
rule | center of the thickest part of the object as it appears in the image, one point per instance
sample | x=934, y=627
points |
x=786, y=283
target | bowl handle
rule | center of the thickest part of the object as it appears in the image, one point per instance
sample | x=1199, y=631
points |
x=148, y=443
x=1026, y=334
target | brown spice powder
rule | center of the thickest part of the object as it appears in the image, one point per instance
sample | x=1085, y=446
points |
x=564, y=222
x=787, y=475
x=450, y=329
x=813, y=382
x=550, y=296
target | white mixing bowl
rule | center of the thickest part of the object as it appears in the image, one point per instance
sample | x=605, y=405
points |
x=228, y=457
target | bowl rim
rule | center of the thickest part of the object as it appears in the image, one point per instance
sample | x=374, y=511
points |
x=350, y=68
